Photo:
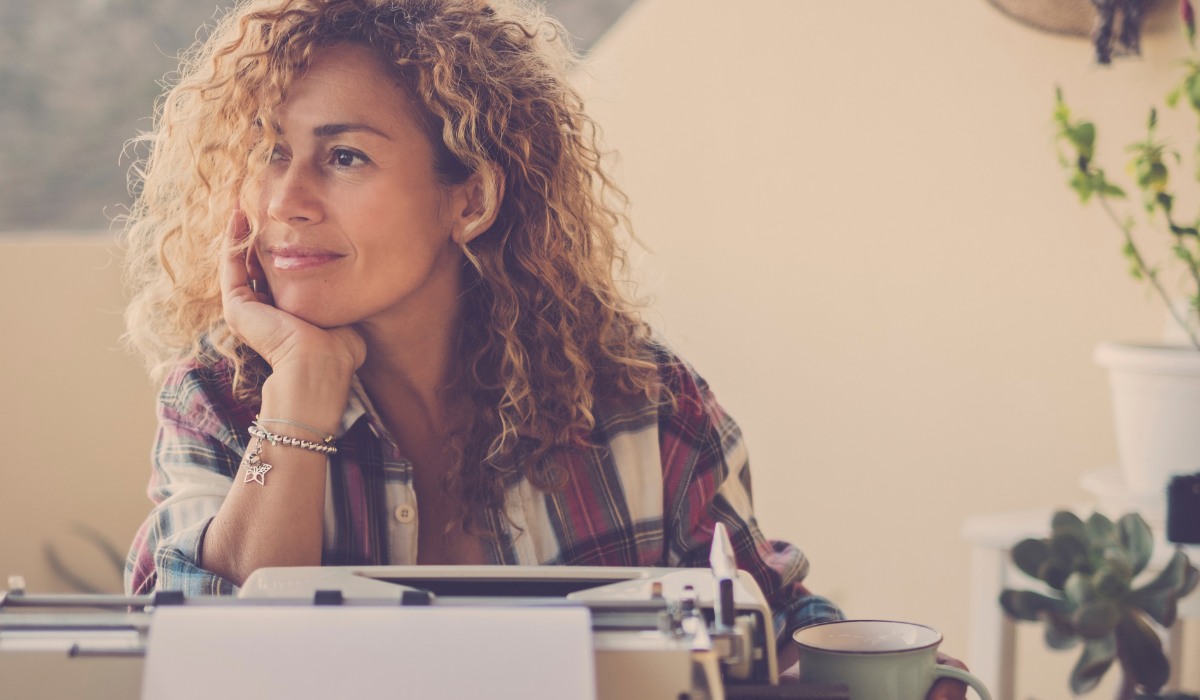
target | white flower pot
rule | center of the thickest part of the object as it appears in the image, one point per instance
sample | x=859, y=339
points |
x=1156, y=408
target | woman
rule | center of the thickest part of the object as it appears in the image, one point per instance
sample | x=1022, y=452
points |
x=387, y=222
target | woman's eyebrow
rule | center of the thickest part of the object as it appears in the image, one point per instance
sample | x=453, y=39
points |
x=325, y=130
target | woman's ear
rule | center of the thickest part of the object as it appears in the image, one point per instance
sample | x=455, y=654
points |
x=477, y=203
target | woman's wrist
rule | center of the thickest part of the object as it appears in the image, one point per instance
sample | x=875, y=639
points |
x=314, y=394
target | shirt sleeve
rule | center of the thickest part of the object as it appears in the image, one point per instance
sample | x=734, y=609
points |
x=194, y=460
x=706, y=474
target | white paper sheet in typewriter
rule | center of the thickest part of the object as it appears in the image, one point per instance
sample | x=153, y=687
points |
x=295, y=653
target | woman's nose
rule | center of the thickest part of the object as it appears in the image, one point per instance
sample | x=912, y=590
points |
x=294, y=196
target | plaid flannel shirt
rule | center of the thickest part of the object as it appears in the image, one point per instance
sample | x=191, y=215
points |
x=647, y=493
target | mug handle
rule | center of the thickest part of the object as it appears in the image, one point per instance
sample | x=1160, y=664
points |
x=943, y=671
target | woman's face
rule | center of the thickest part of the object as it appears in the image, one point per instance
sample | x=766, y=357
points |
x=353, y=221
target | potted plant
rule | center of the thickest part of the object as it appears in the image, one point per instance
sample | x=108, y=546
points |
x=1089, y=569
x=1156, y=388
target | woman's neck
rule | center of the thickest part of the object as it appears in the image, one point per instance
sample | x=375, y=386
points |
x=409, y=356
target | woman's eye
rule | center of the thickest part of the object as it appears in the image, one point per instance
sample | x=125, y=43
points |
x=275, y=155
x=347, y=159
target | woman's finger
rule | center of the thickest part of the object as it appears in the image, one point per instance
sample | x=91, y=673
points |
x=233, y=261
x=946, y=688
x=944, y=658
x=258, y=278
x=791, y=674
x=251, y=319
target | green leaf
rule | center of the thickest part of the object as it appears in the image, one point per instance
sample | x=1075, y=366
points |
x=1082, y=184
x=1172, y=578
x=1054, y=573
x=1066, y=521
x=1191, y=90
x=1191, y=86
x=1068, y=546
x=1110, y=190
x=1083, y=137
x=1159, y=605
x=1173, y=97
x=1010, y=602
x=1118, y=563
x=1079, y=589
x=1135, y=536
x=1153, y=176
x=1141, y=651
x=1098, y=655
x=1062, y=113
x=1096, y=619
x=1030, y=605
x=1100, y=529
x=1029, y=555
x=1059, y=633
x=1110, y=584
x=1191, y=578
x=1130, y=253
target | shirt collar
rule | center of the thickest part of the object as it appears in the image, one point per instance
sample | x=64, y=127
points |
x=357, y=406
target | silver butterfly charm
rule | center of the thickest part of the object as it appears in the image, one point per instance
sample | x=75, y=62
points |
x=256, y=470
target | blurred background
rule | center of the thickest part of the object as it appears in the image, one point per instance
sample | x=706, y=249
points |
x=855, y=227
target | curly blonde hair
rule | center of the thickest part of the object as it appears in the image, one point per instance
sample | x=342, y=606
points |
x=546, y=331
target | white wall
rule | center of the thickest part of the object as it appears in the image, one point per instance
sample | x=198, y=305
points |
x=862, y=237
x=77, y=412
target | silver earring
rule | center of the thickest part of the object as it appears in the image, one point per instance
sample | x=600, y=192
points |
x=254, y=286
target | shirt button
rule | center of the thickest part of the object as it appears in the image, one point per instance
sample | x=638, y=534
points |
x=406, y=513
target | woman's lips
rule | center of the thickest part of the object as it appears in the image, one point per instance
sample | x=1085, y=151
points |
x=292, y=258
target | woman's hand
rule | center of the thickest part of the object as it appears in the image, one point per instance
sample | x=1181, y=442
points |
x=281, y=524
x=946, y=688
x=283, y=340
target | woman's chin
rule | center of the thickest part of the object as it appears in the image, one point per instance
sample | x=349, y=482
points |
x=317, y=312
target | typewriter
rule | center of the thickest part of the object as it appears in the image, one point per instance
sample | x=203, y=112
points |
x=656, y=633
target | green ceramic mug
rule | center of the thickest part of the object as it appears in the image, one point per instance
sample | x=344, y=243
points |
x=877, y=659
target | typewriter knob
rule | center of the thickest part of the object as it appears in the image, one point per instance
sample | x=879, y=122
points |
x=687, y=601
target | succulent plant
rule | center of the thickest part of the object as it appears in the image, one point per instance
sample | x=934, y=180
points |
x=1090, y=570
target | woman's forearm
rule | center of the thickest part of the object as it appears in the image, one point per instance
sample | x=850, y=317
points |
x=280, y=522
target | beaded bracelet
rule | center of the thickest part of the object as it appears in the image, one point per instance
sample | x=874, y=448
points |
x=324, y=436
x=259, y=432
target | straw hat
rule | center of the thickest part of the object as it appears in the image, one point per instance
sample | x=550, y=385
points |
x=1070, y=17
